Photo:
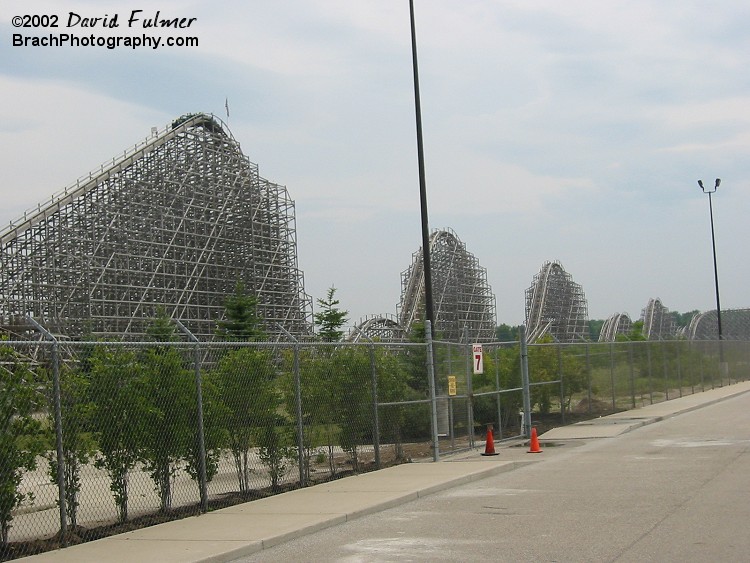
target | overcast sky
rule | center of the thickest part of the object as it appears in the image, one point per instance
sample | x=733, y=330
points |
x=573, y=131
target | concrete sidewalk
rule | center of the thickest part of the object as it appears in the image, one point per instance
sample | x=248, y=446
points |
x=234, y=532
x=619, y=423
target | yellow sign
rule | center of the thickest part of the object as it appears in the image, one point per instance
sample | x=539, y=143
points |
x=452, y=385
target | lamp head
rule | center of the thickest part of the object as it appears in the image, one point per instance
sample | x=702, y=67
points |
x=700, y=183
x=718, y=181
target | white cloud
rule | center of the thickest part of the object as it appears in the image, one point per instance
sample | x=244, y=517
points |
x=53, y=133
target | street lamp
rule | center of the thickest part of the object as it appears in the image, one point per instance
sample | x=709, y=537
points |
x=713, y=245
x=716, y=271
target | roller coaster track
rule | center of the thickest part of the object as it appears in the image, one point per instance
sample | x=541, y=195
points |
x=617, y=324
x=556, y=305
x=464, y=303
x=658, y=322
x=176, y=221
x=378, y=328
x=704, y=326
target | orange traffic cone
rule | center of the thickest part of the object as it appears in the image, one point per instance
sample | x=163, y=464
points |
x=489, y=448
x=534, y=444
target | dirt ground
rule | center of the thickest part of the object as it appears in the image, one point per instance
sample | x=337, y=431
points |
x=319, y=474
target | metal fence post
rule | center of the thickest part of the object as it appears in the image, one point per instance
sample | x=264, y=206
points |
x=612, y=373
x=298, y=409
x=300, y=422
x=375, y=417
x=57, y=400
x=562, y=384
x=203, y=485
x=725, y=366
x=433, y=396
x=678, y=345
x=59, y=442
x=451, y=430
x=202, y=478
x=650, y=384
x=692, y=372
x=631, y=360
x=469, y=387
x=497, y=397
x=588, y=375
x=664, y=367
x=525, y=381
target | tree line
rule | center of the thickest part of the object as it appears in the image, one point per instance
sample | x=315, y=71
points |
x=127, y=408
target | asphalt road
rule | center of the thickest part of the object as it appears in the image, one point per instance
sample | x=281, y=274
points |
x=677, y=490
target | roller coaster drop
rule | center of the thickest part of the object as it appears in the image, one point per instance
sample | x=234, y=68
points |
x=464, y=302
x=556, y=305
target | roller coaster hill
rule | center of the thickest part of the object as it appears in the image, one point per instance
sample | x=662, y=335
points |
x=174, y=222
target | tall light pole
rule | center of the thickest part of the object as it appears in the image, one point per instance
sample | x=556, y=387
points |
x=430, y=329
x=724, y=367
x=429, y=311
x=713, y=246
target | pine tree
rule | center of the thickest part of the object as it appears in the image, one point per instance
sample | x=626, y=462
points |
x=241, y=320
x=330, y=319
x=161, y=328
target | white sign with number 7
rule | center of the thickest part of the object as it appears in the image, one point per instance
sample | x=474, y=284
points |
x=478, y=359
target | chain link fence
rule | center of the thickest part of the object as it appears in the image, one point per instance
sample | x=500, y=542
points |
x=102, y=437
x=569, y=382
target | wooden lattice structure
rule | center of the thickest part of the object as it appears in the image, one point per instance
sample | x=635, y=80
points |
x=618, y=324
x=377, y=328
x=176, y=222
x=735, y=325
x=556, y=305
x=658, y=322
x=464, y=304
